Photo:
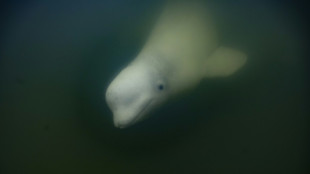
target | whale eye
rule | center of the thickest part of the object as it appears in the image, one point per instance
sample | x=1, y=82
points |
x=160, y=87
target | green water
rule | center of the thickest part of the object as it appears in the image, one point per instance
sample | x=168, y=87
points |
x=57, y=60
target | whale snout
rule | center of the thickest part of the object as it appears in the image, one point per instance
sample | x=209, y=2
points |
x=122, y=121
x=128, y=96
x=121, y=125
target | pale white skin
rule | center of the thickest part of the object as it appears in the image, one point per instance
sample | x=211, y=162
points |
x=181, y=51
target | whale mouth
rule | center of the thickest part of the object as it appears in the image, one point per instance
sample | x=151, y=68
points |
x=138, y=116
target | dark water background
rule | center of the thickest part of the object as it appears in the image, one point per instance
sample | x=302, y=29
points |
x=57, y=59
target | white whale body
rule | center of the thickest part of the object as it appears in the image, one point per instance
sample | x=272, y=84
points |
x=182, y=50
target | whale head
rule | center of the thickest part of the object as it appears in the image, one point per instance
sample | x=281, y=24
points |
x=133, y=93
x=182, y=50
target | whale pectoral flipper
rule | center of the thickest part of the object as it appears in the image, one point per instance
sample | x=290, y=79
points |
x=224, y=62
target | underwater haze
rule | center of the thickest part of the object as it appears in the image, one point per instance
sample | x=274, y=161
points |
x=58, y=57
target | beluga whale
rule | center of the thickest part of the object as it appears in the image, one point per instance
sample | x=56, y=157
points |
x=183, y=49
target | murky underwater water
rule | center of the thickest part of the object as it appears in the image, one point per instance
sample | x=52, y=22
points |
x=58, y=58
